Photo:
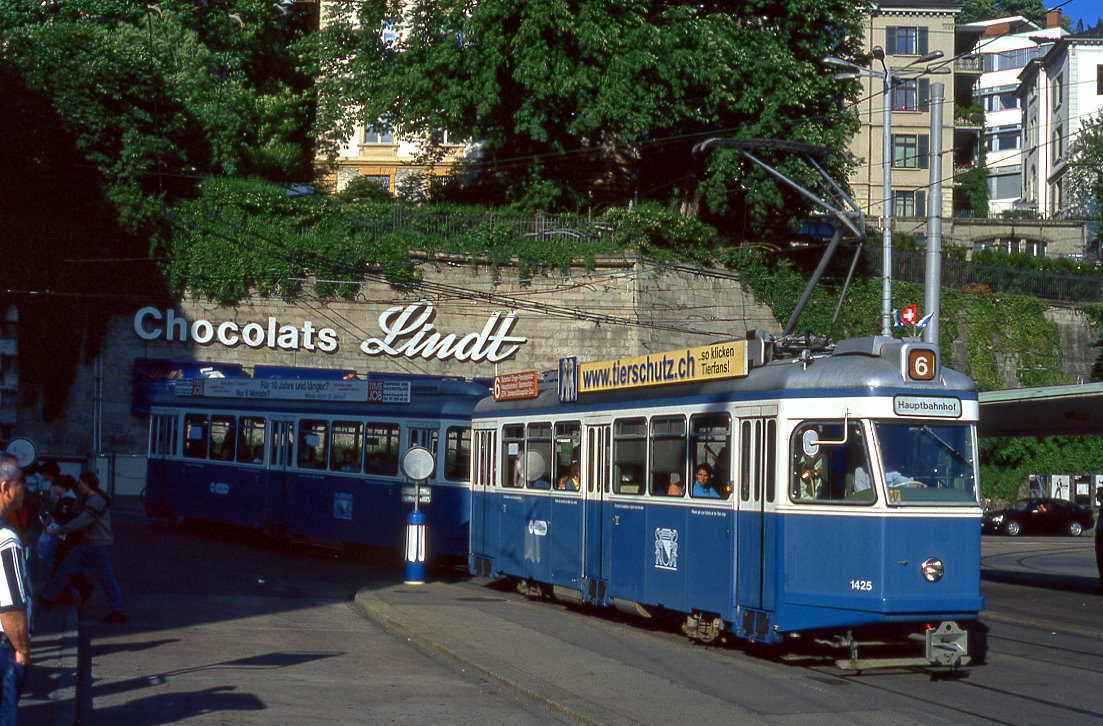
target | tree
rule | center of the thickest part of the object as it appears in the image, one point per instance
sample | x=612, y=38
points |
x=1085, y=171
x=596, y=100
x=156, y=96
x=974, y=10
x=111, y=111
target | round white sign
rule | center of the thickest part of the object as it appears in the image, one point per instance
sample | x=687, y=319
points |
x=24, y=450
x=418, y=463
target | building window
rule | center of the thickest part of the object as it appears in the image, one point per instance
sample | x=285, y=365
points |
x=1057, y=90
x=1003, y=141
x=911, y=95
x=905, y=40
x=912, y=203
x=1005, y=186
x=379, y=138
x=1058, y=143
x=910, y=151
x=1099, y=80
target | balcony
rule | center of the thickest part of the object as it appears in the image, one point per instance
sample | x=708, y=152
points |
x=969, y=64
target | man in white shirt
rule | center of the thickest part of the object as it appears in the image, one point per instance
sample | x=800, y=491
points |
x=15, y=601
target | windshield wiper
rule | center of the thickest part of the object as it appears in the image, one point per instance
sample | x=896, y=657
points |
x=946, y=445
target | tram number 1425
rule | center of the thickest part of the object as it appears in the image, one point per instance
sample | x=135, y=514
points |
x=865, y=585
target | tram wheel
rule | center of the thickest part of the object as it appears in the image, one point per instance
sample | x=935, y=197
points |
x=1012, y=528
x=1075, y=529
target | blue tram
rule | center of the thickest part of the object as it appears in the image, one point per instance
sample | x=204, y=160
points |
x=315, y=459
x=829, y=497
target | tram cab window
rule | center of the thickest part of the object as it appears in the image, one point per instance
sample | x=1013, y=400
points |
x=629, y=455
x=668, y=456
x=830, y=464
x=710, y=455
x=928, y=462
x=346, y=446
x=537, y=461
x=195, y=435
x=312, y=444
x=513, y=452
x=568, y=442
x=457, y=454
x=381, y=449
x=250, y=440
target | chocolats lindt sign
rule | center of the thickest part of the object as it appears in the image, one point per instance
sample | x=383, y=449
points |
x=405, y=331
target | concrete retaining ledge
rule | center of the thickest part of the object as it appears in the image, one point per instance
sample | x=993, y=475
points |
x=449, y=642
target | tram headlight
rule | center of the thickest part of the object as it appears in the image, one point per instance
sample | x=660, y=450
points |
x=932, y=569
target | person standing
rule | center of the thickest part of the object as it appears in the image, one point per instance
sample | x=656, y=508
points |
x=92, y=552
x=15, y=640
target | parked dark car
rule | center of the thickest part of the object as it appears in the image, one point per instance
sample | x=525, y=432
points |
x=1039, y=516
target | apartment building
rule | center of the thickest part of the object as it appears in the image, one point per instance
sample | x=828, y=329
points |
x=907, y=30
x=1059, y=92
x=1005, y=47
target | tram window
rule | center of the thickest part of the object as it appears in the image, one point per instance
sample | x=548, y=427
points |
x=250, y=440
x=223, y=431
x=710, y=447
x=771, y=460
x=457, y=454
x=513, y=449
x=831, y=472
x=537, y=469
x=746, y=450
x=629, y=455
x=568, y=440
x=311, y=446
x=346, y=446
x=381, y=449
x=927, y=462
x=668, y=456
x=195, y=435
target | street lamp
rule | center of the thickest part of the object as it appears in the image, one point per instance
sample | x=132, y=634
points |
x=890, y=78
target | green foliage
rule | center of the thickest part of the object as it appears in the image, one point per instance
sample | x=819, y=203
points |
x=1085, y=175
x=1019, y=214
x=1025, y=261
x=240, y=236
x=155, y=98
x=595, y=101
x=1007, y=463
x=974, y=10
x=974, y=185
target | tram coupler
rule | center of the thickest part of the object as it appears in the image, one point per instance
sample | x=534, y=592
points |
x=947, y=645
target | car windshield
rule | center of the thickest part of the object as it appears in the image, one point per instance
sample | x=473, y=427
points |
x=928, y=462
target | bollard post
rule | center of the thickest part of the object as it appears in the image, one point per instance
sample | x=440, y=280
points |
x=415, y=547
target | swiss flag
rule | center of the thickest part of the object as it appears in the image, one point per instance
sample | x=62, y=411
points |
x=909, y=316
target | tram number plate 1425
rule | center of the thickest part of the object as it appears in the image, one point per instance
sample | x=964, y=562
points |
x=863, y=585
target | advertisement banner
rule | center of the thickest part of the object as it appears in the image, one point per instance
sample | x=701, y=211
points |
x=707, y=362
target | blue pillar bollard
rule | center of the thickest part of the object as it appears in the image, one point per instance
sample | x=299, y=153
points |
x=415, y=547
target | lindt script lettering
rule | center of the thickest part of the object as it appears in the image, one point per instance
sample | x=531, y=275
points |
x=409, y=331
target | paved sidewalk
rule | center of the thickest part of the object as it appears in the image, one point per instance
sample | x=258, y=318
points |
x=50, y=698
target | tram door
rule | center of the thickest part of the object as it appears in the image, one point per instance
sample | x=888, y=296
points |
x=280, y=456
x=754, y=527
x=484, y=519
x=595, y=484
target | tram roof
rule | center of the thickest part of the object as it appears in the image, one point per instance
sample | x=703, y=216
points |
x=857, y=371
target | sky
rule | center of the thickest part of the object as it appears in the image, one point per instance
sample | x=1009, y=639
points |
x=1087, y=10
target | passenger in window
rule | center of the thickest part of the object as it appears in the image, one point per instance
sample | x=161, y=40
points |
x=568, y=480
x=348, y=461
x=674, y=489
x=810, y=476
x=703, y=483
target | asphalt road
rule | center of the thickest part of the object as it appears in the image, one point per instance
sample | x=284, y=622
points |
x=233, y=629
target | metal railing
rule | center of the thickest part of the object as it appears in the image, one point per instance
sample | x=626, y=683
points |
x=961, y=274
x=446, y=224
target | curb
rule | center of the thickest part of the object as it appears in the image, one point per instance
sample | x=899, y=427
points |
x=470, y=657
